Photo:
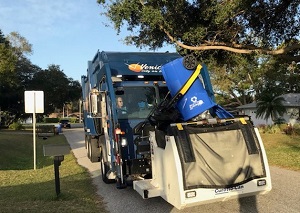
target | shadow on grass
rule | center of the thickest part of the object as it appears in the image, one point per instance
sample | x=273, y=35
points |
x=17, y=151
x=77, y=195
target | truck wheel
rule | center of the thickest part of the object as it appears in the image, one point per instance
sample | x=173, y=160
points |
x=120, y=185
x=104, y=170
x=88, y=142
x=85, y=141
x=94, y=150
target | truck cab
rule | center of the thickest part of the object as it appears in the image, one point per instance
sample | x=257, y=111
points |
x=136, y=79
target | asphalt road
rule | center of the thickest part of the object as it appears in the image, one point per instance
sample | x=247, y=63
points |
x=284, y=197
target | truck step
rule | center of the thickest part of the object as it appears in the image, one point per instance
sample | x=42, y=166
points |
x=146, y=189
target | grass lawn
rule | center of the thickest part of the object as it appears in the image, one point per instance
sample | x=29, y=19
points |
x=26, y=190
x=282, y=150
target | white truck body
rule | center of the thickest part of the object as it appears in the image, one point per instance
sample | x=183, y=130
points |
x=167, y=180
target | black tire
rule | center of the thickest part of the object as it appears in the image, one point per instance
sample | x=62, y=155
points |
x=120, y=185
x=88, y=142
x=104, y=169
x=94, y=150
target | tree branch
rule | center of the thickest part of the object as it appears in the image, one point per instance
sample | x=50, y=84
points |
x=235, y=97
x=237, y=48
x=233, y=47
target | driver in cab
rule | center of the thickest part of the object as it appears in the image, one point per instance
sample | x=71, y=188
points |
x=121, y=109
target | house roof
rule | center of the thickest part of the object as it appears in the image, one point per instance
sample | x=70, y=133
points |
x=291, y=100
x=248, y=106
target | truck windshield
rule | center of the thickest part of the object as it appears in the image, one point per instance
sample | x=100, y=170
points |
x=137, y=102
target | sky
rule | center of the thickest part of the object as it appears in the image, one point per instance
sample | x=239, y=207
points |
x=67, y=33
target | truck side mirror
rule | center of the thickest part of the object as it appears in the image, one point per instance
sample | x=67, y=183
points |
x=119, y=92
x=94, y=103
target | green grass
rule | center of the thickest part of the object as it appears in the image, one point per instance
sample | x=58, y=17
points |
x=23, y=189
x=282, y=150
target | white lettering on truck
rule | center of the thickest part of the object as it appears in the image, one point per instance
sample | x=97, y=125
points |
x=227, y=190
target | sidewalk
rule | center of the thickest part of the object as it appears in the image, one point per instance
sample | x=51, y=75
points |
x=75, y=138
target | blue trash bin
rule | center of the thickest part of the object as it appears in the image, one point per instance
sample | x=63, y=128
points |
x=196, y=100
x=59, y=128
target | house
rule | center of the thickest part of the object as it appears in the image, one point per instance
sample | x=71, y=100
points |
x=292, y=104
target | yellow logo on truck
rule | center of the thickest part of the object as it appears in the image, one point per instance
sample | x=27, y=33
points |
x=135, y=67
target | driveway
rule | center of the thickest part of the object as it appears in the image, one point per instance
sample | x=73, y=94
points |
x=284, y=197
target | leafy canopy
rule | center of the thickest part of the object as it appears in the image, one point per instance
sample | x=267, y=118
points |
x=240, y=26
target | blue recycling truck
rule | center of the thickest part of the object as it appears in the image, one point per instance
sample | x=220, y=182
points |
x=151, y=121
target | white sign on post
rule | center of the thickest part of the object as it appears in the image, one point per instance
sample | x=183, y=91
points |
x=34, y=103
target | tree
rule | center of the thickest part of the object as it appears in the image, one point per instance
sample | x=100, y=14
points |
x=19, y=44
x=277, y=76
x=233, y=37
x=58, y=89
x=7, y=57
x=236, y=79
x=270, y=105
x=15, y=72
x=238, y=26
x=15, y=83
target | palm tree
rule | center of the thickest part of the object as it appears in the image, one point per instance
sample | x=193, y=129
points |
x=270, y=105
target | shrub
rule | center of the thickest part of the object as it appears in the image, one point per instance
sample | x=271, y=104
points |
x=280, y=121
x=274, y=129
x=51, y=120
x=296, y=126
x=271, y=129
x=288, y=130
x=16, y=126
x=283, y=127
x=262, y=128
x=292, y=130
x=71, y=119
x=296, y=129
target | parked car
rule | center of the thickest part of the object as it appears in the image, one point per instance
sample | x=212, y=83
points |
x=65, y=123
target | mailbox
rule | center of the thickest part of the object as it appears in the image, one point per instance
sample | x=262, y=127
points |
x=58, y=152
